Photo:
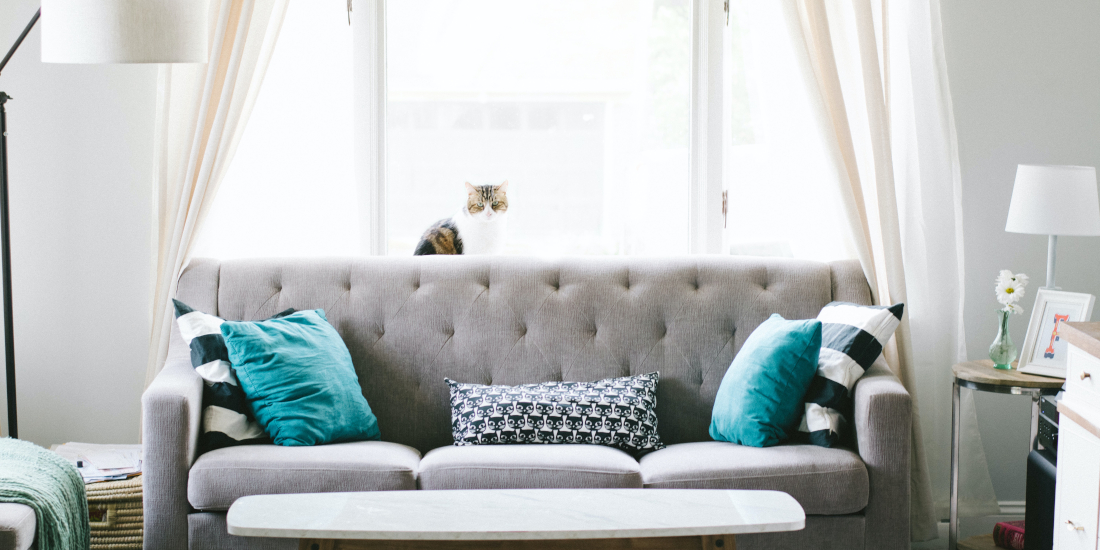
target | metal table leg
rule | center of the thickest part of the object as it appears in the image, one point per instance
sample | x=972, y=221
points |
x=1035, y=397
x=956, y=431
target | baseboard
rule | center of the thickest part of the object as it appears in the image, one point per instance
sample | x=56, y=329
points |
x=1011, y=507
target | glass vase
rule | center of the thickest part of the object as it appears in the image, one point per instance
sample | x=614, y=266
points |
x=1003, y=351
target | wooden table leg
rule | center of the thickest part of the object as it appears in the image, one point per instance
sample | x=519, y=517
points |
x=709, y=542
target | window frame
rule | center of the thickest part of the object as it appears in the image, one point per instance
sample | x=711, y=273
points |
x=707, y=140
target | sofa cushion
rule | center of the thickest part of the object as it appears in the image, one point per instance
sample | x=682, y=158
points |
x=617, y=412
x=528, y=467
x=823, y=481
x=852, y=338
x=220, y=477
x=295, y=371
x=760, y=399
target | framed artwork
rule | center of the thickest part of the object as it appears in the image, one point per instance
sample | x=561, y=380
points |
x=1044, y=350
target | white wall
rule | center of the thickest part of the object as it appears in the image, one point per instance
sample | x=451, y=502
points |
x=1025, y=80
x=80, y=156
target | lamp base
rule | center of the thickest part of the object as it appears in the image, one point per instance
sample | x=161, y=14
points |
x=1052, y=256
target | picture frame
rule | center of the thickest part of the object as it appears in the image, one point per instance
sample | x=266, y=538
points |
x=1044, y=352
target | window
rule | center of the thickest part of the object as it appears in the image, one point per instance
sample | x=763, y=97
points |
x=618, y=124
x=582, y=105
x=776, y=162
x=291, y=188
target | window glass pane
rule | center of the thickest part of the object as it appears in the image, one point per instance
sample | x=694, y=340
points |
x=582, y=105
x=780, y=171
x=290, y=190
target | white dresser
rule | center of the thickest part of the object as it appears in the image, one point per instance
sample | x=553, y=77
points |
x=1077, y=500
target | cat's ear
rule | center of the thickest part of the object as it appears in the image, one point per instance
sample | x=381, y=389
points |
x=470, y=188
x=503, y=188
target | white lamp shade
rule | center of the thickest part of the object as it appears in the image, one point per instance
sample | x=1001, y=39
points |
x=125, y=31
x=1054, y=200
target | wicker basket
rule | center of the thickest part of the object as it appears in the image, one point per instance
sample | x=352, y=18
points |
x=114, y=510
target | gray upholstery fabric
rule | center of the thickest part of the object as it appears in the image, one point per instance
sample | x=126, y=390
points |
x=823, y=481
x=883, y=420
x=528, y=467
x=821, y=533
x=220, y=477
x=848, y=283
x=17, y=525
x=410, y=322
x=208, y=531
x=171, y=410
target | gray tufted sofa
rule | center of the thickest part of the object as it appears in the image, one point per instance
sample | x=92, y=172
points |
x=410, y=322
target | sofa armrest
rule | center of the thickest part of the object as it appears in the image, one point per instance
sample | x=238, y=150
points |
x=883, y=416
x=171, y=410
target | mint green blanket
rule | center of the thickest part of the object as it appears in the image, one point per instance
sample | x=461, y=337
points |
x=47, y=483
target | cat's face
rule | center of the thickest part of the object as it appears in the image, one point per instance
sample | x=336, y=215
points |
x=487, y=202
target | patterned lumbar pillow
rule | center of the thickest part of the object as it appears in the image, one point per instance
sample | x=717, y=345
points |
x=852, y=337
x=226, y=417
x=617, y=412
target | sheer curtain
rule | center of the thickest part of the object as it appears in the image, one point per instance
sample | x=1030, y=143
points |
x=202, y=110
x=880, y=71
x=852, y=111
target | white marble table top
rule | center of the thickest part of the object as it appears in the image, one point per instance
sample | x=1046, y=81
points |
x=515, y=514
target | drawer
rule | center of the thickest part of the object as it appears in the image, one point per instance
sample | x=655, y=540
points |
x=1077, y=500
x=1082, y=375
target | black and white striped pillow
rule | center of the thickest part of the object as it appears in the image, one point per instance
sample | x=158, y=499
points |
x=852, y=337
x=226, y=416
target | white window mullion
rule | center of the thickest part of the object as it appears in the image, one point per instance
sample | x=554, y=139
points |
x=369, y=59
x=707, y=130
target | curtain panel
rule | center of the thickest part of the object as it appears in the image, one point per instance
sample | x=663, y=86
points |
x=202, y=111
x=878, y=72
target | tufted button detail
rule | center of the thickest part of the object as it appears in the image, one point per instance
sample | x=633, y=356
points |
x=523, y=331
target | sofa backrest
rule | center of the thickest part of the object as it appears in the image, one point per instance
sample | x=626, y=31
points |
x=410, y=322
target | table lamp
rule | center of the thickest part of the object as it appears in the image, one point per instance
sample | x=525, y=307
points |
x=1054, y=200
x=96, y=31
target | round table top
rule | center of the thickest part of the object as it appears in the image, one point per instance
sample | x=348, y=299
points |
x=982, y=372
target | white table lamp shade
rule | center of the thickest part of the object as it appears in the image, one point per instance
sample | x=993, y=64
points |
x=125, y=31
x=1054, y=200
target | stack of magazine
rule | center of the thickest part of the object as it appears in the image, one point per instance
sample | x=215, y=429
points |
x=102, y=462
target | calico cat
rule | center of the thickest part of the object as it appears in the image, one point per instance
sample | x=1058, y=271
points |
x=477, y=228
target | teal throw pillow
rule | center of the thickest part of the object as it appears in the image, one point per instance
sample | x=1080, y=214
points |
x=297, y=374
x=759, y=402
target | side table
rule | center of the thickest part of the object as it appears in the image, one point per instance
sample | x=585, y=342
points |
x=981, y=376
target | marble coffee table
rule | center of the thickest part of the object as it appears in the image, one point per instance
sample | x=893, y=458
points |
x=519, y=519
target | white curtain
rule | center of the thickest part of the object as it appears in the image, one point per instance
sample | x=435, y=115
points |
x=202, y=110
x=852, y=95
x=880, y=71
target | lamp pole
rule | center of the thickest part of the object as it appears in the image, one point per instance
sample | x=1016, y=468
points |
x=5, y=241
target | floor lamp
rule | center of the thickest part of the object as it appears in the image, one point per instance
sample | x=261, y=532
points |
x=95, y=31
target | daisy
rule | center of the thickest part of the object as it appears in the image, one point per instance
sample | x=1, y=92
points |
x=1009, y=291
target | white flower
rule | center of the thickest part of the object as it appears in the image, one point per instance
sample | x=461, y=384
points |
x=1013, y=308
x=1009, y=292
x=1010, y=287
